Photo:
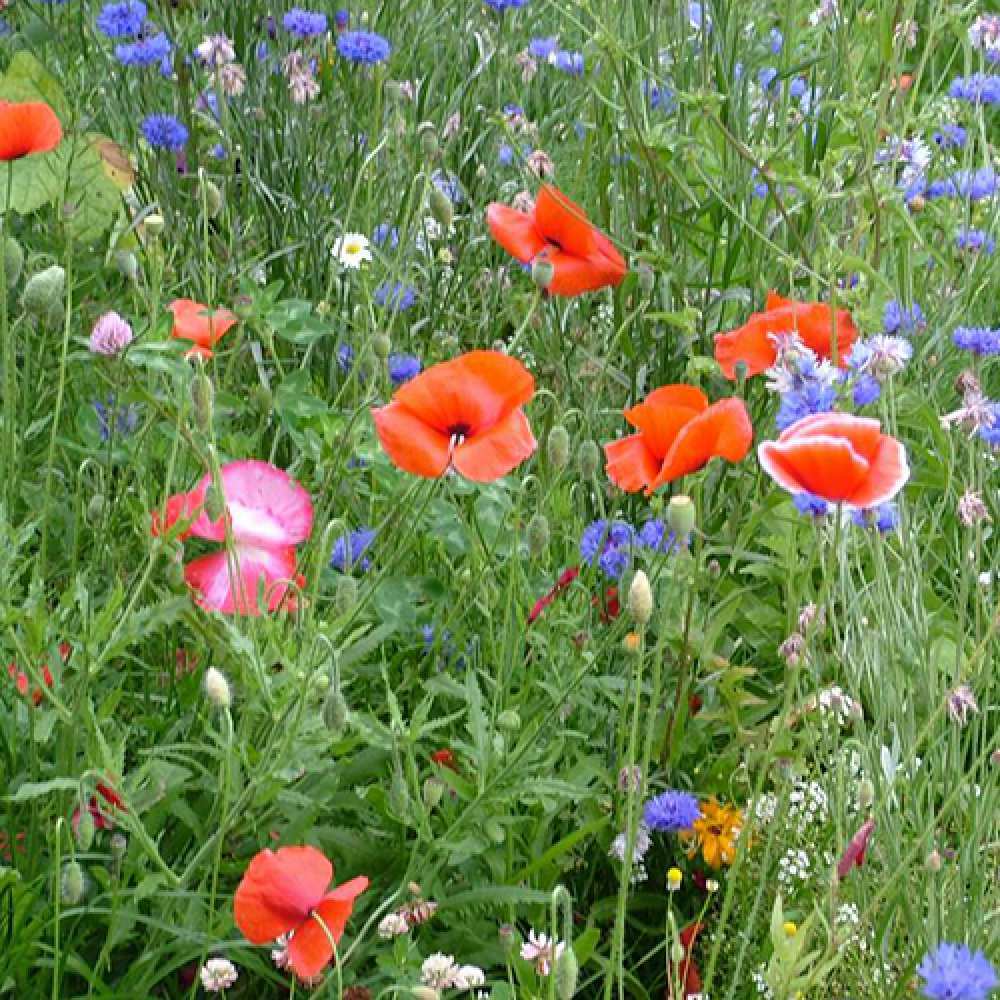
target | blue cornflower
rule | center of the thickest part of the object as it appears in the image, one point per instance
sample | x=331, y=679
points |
x=697, y=17
x=866, y=390
x=304, y=23
x=671, y=811
x=341, y=19
x=953, y=972
x=655, y=535
x=502, y=5
x=980, y=88
x=660, y=97
x=395, y=296
x=219, y=151
x=349, y=550
x=363, y=47
x=345, y=358
x=975, y=241
x=897, y=318
x=813, y=397
x=976, y=184
x=951, y=136
x=543, y=48
x=798, y=88
x=113, y=419
x=990, y=431
x=885, y=518
x=979, y=340
x=145, y=52
x=776, y=41
x=569, y=62
x=505, y=154
x=122, y=20
x=449, y=185
x=164, y=132
x=940, y=189
x=403, y=367
x=385, y=233
x=766, y=77
x=610, y=543
x=809, y=503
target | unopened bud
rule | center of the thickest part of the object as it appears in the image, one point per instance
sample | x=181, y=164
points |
x=441, y=208
x=127, y=264
x=509, y=719
x=72, y=883
x=632, y=642
x=153, y=224
x=538, y=535
x=433, y=790
x=677, y=952
x=336, y=714
x=215, y=504
x=866, y=794
x=557, y=447
x=85, y=828
x=681, y=517
x=934, y=861
x=217, y=688
x=567, y=973
x=118, y=845
x=917, y=203
x=429, y=144
x=203, y=400
x=209, y=190
x=589, y=458
x=13, y=261
x=647, y=280
x=399, y=796
x=425, y=993
x=95, y=508
x=345, y=595
x=43, y=293
x=542, y=272
x=640, y=599
x=381, y=345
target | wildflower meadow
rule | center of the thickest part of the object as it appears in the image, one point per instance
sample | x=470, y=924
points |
x=499, y=499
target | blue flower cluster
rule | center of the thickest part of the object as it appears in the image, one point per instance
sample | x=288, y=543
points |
x=569, y=62
x=349, y=551
x=403, y=367
x=164, y=132
x=975, y=241
x=366, y=47
x=953, y=972
x=907, y=320
x=612, y=544
x=980, y=340
x=385, y=234
x=951, y=136
x=148, y=51
x=980, y=88
x=121, y=421
x=671, y=812
x=884, y=518
x=502, y=5
x=395, y=296
x=990, y=431
x=304, y=23
x=122, y=20
x=814, y=396
x=543, y=48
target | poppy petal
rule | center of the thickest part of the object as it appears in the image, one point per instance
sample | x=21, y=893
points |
x=826, y=466
x=266, y=507
x=562, y=222
x=26, y=128
x=614, y=262
x=863, y=432
x=515, y=231
x=776, y=301
x=486, y=457
x=181, y=506
x=662, y=414
x=573, y=275
x=722, y=431
x=279, y=890
x=818, y=326
x=216, y=590
x=630, y=463
x=750, y=344
x=412, y=445
x=468, y=394
x=199, y=323
x=310, y=949
x=887, y=476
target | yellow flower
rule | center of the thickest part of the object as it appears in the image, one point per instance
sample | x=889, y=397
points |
x=789, y=928
x=674, y=878
x=716, y=833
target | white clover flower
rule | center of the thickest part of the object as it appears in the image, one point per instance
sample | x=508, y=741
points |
x=393, y=925
x=469, y=977
x=218, y=974
x=439, y=971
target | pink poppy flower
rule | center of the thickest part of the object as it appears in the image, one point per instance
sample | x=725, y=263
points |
x=269, y=514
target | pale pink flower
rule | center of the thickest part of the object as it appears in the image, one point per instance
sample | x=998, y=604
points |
x=961, y=704
x=232, y=79
x=111, y=335
x=542, y=950
x=215, y=51
x=971, y=509
x=439, y=971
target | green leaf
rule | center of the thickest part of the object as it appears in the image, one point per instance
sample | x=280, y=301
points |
x=39, y=789
x=27, y=79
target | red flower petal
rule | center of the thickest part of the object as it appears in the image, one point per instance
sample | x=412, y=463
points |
x=515, y=231
x=662, y=414
x=854, y=855
x=310, y=949
x=887, y=475
x=215, y=589
x=564, y=223
x=486, y=457
x=630, y=463
x=30, y=127
x=200, y=324
x=413, y=446
x=829, y=467
x=278, y=891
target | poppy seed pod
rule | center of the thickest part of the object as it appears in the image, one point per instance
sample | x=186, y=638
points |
x=433, y=791
x=72, y=883
x=217, y=689
x=557, y=447
x=441, y=208
x=85, y=829
x=681, y=516
x=43, y=294
x=203, y=400
x=542, y=272
x=567, y=974
x=538, y=535
x=589, y=458
x=640, y=599
x=381, y=345
x=13, y=261
x=153, y=225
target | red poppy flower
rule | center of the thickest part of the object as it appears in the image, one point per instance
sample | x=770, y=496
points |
x=690, y=977
x=754, y=342
x=201, y=324
x=839, y=457
x=23, y=683
x=565, y=579
x=582, y=257
x=465, y=414
x=286, y=892
x=854, y=855
x=27, y=128
x=102, y=821
x=678, y=433
x=446, y=758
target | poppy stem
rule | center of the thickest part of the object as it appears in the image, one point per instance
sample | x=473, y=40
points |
x=10, y=381
x=336, y=958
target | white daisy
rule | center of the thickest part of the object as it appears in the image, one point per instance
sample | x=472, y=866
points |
x=352, y=250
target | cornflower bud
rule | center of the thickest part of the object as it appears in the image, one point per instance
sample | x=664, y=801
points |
x=381, y=345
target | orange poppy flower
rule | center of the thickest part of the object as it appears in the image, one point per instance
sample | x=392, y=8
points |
x=285, y=892
x=839, y=457
x=202, y=325
x=465, y=414
x=31, y=127
x=754, y=342
x=678, y=433
x=582, y=257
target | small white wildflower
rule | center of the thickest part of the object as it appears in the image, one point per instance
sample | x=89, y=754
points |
x=215, y=50
x=469, y=977
x=393, y=925
x=439, y=971
x=217, y=688
x=352, y=250
x=218, y=974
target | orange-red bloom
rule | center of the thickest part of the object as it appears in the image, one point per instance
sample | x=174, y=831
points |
x=200, y=324
x=31, y=127
x=839, y=457
x=286, y=892
x=582, y=257
x=755, y=345
x=465, y=413
x=678, y=433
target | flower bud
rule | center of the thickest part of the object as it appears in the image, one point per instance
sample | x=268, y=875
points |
x=509, y=719
x=127, y=264
x=681, y=517
x=381, y=345
x=44, y=291
x=567, y=973
x=175, y=573
x=589, y=458
x=674, y=878
x=212, y=196
x=429, y=144
x=215, y=504
x=153, y=224
x=557, y=447
x=632, y=642
x=433, y=790
x=866, y=794
x=95, y=509
x=217, y=688
x=203, y=400
x=538, y=535
x=336, y=714
x=119, y=845
x=441, y=208
x=345, y=595
x=934, y=861
x=85, y=828
x=13, y=261
x=677, y=952
x=542, y=272
x=647, y=280
x=640, y=599
x=72, y=883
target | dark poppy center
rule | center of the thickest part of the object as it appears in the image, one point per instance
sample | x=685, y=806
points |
x=459, y=430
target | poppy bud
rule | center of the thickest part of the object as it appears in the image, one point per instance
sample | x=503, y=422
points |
x=215, y=504
x=567, y=973
x=542, y=272
x=127, y=265
x=866, y=794
x=681, y=516
x=336, y=714
x=85, y=830
x=345, y=595
x=72, y=883
x=509, y=719
x=429, y=144
x=588, y=457
x=175, y=573
x=441, y=208
x=647, y=280
x=217, y=689
x=95, y=508
x=640, y=599
x=203, y=399
x=153, y=224
x=43, y=294
x=433, y=791
x=13, y=261
x=557, y=447
x=677, y=952
x=538, y=535
x=381, y=345
x=118, y=845
x=212, y=196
